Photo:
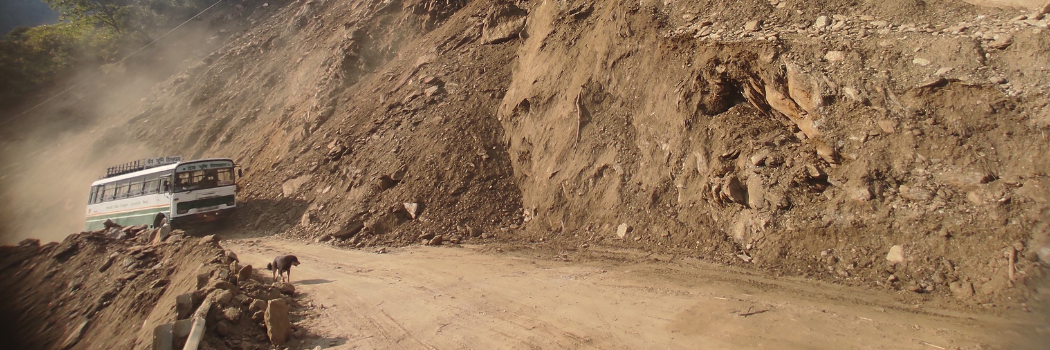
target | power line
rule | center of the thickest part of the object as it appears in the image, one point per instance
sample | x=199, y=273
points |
x=118, y=62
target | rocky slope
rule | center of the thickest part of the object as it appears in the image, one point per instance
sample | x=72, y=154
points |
x=109, y=290
x=883, y=143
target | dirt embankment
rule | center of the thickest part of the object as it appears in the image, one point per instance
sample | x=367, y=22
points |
x=879, y=143
x=885, y=144
x=109, y=290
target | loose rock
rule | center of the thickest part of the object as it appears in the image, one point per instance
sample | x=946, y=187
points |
x=244, y=274
x=961, y=290
x=277, y=322
x=623, y=230
x=895, y=255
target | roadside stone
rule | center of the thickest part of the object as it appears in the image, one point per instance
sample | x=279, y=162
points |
x=821, y=23
x=183, y=306
x=224, y=328
x=224, y=298
x=961, y=290
x=835, y=56
x=426, y=236
x=921, y=61
x=351, y=228
x=241, y=299
x=623, y=230
x=412, y=209
x=895, y=255
x=258, y=316
x=997, y=80
x=277, y=322
x=286, y=288
x=504, y=22
x=232, y=314
x=1003, y=42
x=218, y=284
x=257, y=305
x=437, y=240
x=244, y=274
x=751, y=26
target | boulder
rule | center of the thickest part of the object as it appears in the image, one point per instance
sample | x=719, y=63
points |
x=257, y=305
x=224, y=328
x=224, y=298
x=231, y=314
x=350, y=229
x=183, y=306
x=286, y=288
x=412, y=209
x=895, y=255
x=241, y=299
x=623, y=230
x=244, y=274
x=503, y=23
x=219, y=284
x=276, y=320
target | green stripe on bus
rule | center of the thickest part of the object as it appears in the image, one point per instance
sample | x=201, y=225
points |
x=139, y=217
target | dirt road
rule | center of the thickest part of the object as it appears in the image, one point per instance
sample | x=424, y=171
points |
x=456, y=298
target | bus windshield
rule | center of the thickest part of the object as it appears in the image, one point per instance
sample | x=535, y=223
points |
x=203, y=179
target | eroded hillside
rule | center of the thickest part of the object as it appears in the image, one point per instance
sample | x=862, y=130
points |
x=893, y=144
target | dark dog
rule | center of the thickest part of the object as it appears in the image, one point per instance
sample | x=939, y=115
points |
x=282, y=264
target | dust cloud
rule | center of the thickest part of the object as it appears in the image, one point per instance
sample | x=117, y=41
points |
x=50, y=155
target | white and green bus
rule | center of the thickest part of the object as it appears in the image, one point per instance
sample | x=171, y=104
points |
x=163, y=190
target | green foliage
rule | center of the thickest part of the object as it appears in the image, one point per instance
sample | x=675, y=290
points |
x=93, y=32
x=111, y=13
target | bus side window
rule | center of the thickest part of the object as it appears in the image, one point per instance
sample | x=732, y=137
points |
x=136, y=187
x=121, y=190
x=107, y=193
x=91, y=197
x=150, y=184
x=165, y=184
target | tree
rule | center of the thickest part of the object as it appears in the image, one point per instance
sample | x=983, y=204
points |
x=110, y=13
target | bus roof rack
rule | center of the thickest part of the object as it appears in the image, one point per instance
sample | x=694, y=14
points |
x=141, y=164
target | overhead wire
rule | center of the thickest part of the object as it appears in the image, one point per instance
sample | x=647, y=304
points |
x=74, y=85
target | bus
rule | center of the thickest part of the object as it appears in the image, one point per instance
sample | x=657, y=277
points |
x=166, y=190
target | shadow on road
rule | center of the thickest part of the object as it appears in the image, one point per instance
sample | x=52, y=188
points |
x=314, y=281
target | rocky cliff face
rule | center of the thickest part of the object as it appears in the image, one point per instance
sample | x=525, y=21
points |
x=805, y=138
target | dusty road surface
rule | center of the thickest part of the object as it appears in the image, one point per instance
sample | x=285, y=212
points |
x=461, y=298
